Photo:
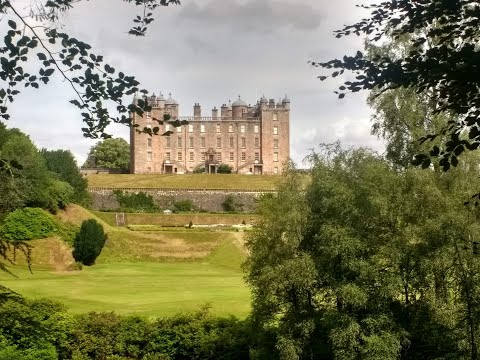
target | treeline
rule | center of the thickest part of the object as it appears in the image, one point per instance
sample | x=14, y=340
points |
x=33, y=330
x=30, y=177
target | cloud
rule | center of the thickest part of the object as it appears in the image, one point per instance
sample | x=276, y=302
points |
x=259, y=16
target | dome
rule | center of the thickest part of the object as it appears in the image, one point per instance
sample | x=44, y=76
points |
x=160, y=97
x=229, y=106
x=286, y=99
x=239, y=102
x=171, y=101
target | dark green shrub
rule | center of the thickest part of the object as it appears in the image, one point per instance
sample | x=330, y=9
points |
x=183, y=206
x=224, y=169
x=136, y=202
x=28, y=224
x=199, y=170
x=231, y=204
x=89, y=242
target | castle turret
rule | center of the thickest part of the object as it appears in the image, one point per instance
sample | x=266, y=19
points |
x=239, y=107
x=263, y=103
x=171, y=106
x=224, y=111
x=197, y=112
x=161, y=101
x=286, y=102
x=229, y=110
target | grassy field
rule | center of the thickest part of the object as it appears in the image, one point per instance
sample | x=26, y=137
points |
x=153, y=274
x=188, y=181
x=179, y=219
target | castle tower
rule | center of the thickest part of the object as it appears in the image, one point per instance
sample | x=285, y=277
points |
x=214, y=113
x=171, y=107
x=197, y=112
x=239, y=107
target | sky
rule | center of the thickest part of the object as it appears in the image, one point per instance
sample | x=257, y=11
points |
x=210, y=51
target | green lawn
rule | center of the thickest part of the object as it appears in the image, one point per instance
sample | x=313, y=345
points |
x=188, y=181
x=151, y=289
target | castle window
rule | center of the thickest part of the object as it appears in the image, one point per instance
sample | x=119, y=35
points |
x=242, y=128
x=202, y=143
x=219, y=143
x=231, y=156
x=219, y=129
x=149, y=126
x=255, y=129
x=257, y=143
x=179, y=156
x=275, y=130
x=230, y=128
x=179, y=142
x=275, y=156
x=167, y=127
x=190, y=128
x=148, y=115
x=257, y=156
x=167, y=140
x=275, y=117
x=149, y=143
x=275, y=143
x=179, y=129
x=275, y=170
x=244, y=156
x=232, y=142
x=219, y=156
x=202, y=128
x=149, y=156
x=167, y=156
x=203, y=156
x=244, y=143
x=191, y=156
x=190, y=143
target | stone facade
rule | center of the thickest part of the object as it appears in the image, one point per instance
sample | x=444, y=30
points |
x=250, y=139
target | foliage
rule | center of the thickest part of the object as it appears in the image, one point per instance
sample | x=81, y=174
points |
x=437, y=65
x=136, y=202
x=231, y=204
x=183, y=205
x=360, y=263
x=224, y=169
x=89, y=242
x=34, y=34
x=200, y=169
x=113, y=153
x=28, y=224
x=63, y=164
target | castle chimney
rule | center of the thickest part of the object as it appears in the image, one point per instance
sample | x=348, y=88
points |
x=214, y=113
x=197, y=112
x=223, y=111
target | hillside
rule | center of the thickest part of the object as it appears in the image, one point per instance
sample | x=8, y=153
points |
x=145, y=272
x=186, y=181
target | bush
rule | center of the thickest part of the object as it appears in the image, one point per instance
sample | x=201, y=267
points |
x=136, y=202
x=224, y=169
x=183, y=205
x=199, y=170
x=28, y=224
x=89, y=242
x=231, y=204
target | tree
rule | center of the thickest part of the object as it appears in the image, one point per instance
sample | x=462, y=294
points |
x=109, y=154
x=63, y=164
x=34, y=34
x=360, y=262
x=224, y=169
x=438, y=65
x=89, y=242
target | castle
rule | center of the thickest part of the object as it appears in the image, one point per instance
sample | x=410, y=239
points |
x=250, y=139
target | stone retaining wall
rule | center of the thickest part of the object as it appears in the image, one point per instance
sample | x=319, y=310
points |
x=207, y=199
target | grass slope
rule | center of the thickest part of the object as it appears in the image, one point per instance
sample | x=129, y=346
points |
x=153, y=274
x=188, y=181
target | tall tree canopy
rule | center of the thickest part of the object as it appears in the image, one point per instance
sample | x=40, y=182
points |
x=362, y=263
x=113, y=153
x=442, y=63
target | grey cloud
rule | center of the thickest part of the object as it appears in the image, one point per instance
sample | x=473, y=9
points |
x=253, y=15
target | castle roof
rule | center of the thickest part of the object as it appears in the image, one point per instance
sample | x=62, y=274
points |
x=171, y=101
x=239, y=102
x=286, y=99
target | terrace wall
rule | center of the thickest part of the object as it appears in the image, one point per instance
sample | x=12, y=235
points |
x=206, y=199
